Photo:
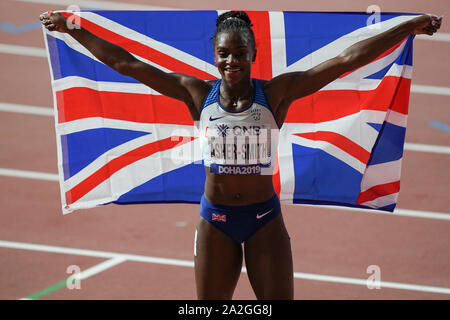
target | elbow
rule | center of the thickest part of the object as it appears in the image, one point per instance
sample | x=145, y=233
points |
x=123, y=64
x=123, y=67
x=349, y=61
x=116, y=64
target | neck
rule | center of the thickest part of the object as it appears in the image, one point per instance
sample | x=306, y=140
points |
x=241, y=89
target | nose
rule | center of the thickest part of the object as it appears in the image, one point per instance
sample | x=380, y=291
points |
x=232, y=58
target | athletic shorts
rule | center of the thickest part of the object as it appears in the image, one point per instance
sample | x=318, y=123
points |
x=240, y=222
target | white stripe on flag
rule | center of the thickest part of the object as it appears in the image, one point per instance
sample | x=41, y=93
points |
x=278, y=41
x=383, y=201
x=376, y=65
x=142, y=170
x=98, y=122
x=152, y=43
x=75, y=45
x=286, y=164
x=106, y=157
x=396, y=70
x=75, y=81
x=397, y=118
x=103, y=5
x=71, y=43
x=354, y=127
x=337, y=46
x=158, y=132
x=332, y=150
x=381, y=173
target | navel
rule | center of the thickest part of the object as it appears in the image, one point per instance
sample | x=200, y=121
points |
x=237, y=195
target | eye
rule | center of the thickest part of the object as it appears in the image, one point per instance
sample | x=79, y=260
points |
x=222, y=54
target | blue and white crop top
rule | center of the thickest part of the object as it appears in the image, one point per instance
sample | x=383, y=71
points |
x=240, y=142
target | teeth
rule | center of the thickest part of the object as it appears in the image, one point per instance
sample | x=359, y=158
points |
x=233, y=69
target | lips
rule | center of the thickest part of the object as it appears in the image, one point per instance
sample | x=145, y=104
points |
x=233, y=69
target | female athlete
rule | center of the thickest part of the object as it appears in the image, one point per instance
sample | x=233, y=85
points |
x=239, y=204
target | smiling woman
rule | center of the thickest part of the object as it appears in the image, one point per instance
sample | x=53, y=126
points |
x=234, y=51
x=239, y=121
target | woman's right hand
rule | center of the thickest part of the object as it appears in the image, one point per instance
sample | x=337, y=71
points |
x=54, y=21
x=426, y=24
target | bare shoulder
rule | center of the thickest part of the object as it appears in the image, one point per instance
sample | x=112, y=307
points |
x=280, y=82
x=193, y=82
x=197, y=88
x=276, y=89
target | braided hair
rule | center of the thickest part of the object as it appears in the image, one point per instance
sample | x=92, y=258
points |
x=237, y=21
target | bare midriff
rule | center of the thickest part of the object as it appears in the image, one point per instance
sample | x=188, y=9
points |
x=235, y=190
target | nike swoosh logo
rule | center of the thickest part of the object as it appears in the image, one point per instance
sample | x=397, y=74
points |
x=214, y=119
x=259, y=216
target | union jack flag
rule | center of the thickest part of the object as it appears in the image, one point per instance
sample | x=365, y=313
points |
x=219, y=217
x=119, y=141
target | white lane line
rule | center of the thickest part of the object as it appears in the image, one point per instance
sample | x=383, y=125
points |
x=364, y=282
x=105, y=265
x=78, y=276
x=419, y=88
x=23, y=50
x=21, y=108
x=426, y=148
x=397, y=212
x=116, y=258
x=95, y=253
x=438, y=36
x=28, y=174
x=420, y=214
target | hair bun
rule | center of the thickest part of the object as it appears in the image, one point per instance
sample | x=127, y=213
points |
x=231, y=15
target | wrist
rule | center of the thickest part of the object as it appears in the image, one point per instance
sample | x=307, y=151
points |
x=419, y=23
x=410, y=25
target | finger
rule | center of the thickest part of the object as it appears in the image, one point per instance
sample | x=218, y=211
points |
x=46, y=14
x=430, y=29
x=427, y=30
x=51, y=27
x=438, y=21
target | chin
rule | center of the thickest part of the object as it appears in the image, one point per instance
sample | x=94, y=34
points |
x=235, y=77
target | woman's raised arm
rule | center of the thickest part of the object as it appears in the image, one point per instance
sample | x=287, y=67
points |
x=295, y=85
x=188, y=89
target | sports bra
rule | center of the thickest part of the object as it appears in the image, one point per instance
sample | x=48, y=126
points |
x=242, y=142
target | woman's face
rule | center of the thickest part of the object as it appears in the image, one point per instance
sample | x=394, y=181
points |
x=233, y=55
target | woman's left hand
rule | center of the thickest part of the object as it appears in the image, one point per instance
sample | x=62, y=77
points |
x=427, y=24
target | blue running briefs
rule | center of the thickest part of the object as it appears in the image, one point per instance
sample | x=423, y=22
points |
x=240, y=222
